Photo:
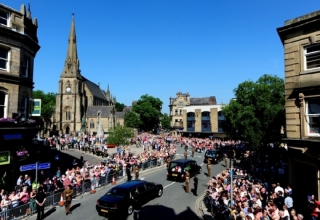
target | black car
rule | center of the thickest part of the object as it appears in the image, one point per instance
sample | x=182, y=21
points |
x=215, y=156
x=120, y=199
x=177, y=169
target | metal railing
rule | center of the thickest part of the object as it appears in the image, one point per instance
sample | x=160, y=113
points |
x=53, y=198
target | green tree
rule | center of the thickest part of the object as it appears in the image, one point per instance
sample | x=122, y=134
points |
x=119, y=135
x=132, y=120
x=48, y=103
x=120, y=107
x=149, y=110
x=258, y=112
x=165, y=121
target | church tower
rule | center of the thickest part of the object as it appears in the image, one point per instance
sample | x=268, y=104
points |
x=71, y=96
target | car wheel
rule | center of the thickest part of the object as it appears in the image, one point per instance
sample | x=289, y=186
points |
x=160, y=192
x=130, y=210
x=200, y=171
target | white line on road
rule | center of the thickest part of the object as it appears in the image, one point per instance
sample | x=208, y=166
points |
x=169, y=185
x=201, y=164
x=142, y=178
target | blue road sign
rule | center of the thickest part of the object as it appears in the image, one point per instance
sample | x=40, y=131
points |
x=41, y=166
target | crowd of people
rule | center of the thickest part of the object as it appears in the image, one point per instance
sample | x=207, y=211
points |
x=258, y=190
x=155, y=148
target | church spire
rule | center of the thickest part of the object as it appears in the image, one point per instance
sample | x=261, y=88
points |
x=72, y=64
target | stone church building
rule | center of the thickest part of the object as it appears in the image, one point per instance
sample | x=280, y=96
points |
x=81, y=105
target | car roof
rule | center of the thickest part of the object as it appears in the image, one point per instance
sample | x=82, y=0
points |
x=181, y=161
x=130, y=185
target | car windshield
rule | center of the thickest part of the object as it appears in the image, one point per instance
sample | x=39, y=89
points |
x=211, y=153
x=119, y=193
x=175, y=167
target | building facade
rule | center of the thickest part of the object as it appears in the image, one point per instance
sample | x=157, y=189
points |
x=301, y=42
x=18, y=48
x=196, y=116
x=81, y=105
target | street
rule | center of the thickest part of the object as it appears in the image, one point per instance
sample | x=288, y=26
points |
x=175, y=203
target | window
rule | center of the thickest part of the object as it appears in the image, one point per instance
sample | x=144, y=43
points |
x=180, y=104
x=4, y=54
x=312, y=57
x=24, y=106
x=176, y=112
x=68, y=115
x=313, y=116
x=25, y=67
x=3, y=104
x=180, y=112
x=4, y=18
x=91, y=124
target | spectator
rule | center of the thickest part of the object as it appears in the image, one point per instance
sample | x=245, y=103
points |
x=15, y=199
x=24, y=195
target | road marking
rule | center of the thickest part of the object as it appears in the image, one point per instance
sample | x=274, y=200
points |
x=142, y=178
x=169, y=185
x=201, y=164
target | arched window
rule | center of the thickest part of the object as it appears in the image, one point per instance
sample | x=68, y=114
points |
x=3, y=104
x=91, y=123
x=68, y=115
x=67, y=111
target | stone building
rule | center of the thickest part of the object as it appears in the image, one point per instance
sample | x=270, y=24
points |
x=301, y=40
x=82, y=105
x=196, y=116
x=18, y=48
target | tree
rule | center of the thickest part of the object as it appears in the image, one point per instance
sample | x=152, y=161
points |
x=132, y=120
x=119, y=135
x=165, y=121
x=48, y=103
x=120, y=107
x=258, y=112
x=149, y=110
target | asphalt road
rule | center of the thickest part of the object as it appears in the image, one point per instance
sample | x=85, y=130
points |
x=175, y=203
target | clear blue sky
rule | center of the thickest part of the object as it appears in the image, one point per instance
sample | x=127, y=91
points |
x=161, y=47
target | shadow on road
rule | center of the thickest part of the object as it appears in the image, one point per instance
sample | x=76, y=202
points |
x=75, y=206
x=160, y=212
x=49, y=212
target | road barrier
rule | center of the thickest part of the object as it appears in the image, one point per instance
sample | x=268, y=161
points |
x=53, y=198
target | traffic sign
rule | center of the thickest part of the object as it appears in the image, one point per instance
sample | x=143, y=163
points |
x=41, y=166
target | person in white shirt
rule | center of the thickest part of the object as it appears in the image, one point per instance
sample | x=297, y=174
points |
x=279, y=188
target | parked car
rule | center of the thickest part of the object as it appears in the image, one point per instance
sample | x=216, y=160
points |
x=119, y=200
x=177, y=169
x=215, y=156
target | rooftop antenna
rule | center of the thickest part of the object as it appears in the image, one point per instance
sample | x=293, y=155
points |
x=28, y=6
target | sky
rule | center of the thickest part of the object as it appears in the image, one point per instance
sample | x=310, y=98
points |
x=161, y=47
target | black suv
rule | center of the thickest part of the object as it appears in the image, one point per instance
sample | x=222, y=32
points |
x=215, y=156
x=177, y=169
x=120, y=199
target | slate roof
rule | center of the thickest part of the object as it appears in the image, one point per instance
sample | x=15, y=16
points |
x=92, y=111
x=95, y=89
x=211, y=100
x=120, y=114
x=127, y=109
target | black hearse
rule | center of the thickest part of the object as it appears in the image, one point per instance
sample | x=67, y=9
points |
x=120, y=199
x=177, y=169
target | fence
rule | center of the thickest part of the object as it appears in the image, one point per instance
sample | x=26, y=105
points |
x=53, y=198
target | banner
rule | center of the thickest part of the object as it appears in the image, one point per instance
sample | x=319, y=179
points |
x=4, y=157
x=36, y=107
